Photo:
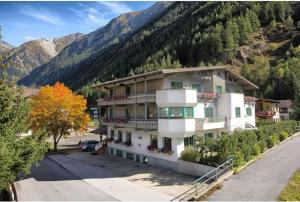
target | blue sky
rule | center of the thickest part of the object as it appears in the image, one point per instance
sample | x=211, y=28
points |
x=23, y=21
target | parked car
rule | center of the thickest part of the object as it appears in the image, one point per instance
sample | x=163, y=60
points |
x=98, y=146
x=89, y=145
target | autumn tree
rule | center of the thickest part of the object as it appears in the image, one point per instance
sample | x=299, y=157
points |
x=59, y=112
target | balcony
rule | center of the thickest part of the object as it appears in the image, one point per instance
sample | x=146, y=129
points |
x=149, y=124
x=210, y=123
x=176, y=127
x=122, y=100
x=176, y=98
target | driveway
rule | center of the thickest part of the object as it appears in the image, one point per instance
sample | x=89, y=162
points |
x=81, y=176
x=118, y=177
x=265, y=178
x=51, y=182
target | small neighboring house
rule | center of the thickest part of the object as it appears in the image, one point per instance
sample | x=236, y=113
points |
x=152, y=117
x=285, y=109
x=267, y=109
x=27, y=93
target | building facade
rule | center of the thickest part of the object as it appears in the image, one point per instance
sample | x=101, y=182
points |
x=267, y=109
x=153, y=116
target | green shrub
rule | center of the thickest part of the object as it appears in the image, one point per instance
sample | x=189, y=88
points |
x=189, y=154
x=272, y=140
x=256, y=149
x=238, y=159
x=283, y=135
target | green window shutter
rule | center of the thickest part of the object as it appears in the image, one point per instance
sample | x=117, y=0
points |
x=196, y=86
x=248, y=111
x=237, y=112
x=219, y=89
x=208, y=112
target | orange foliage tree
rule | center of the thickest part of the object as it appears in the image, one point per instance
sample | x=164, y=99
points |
x=58, y=112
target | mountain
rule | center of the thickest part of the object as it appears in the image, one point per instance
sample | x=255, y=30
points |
x=115, y=31
x=34, y=53
x=260, y=40
x=5, y=47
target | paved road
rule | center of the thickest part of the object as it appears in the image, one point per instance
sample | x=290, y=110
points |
x=50, y=182
x=265, y=178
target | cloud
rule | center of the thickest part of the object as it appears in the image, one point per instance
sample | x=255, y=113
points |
x=90, y=16
x=42, y=14
x=116, y=7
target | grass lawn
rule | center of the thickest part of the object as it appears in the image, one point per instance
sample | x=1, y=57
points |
x=291, y=191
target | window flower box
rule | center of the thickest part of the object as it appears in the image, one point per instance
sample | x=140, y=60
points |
x=166, y=151
x=118, y=141
x=109, y=140
x=152, y=147
x=207, y=96
x=128, y=143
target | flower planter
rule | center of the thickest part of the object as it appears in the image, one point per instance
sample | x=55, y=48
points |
x=166, y=151
x=152, y=147
x=118, y=141
x=127, y=143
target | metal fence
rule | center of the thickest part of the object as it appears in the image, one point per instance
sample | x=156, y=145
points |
x=205, y=180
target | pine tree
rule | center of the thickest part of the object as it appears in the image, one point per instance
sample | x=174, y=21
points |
x=228, y=36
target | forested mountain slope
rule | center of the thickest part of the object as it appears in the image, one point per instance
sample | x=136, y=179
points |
x=258, y=39
x=115, y=31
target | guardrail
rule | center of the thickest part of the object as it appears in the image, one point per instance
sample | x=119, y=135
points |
x=205, y=180
x=211, y=119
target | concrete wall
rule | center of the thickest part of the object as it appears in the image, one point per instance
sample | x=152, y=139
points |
x=194, y=169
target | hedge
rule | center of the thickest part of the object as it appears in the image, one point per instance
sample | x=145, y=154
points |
x=243, y=145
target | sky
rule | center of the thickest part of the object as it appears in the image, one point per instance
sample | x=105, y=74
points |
x=24, y=21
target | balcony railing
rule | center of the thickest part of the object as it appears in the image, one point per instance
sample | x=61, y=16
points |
x=120, y=100
x=150, y=124
x=210, y=123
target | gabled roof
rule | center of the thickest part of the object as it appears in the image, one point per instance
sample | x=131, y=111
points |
x=243, y=81
x=29, y=92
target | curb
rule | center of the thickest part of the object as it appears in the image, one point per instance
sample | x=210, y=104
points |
x=261, y=155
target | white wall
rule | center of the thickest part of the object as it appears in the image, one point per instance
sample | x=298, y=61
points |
x=227, y=102
x=250, y=119
x=141, y=140
x=176, y=127
x=176, y=98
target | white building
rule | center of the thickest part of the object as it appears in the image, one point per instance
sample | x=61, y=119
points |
x=153, y=116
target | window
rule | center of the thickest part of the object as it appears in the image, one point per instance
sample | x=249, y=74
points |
x=164, y=112
x=120, y=135
x=209, y=136
x=188, y=112
x=111, y=92
x=188, y=141
x=128, y=137
x=197, y=87
x=219, y=89
x=129, y=156
x=127, y=113
x=167, y=143
x=176, y=112
x=237, y=112
x=127, y=90
x=249, y=111
x=153, y=140
x=112, y=133
x=176, y=84
x=111, y=114
x=208, y=112
x=119, y=153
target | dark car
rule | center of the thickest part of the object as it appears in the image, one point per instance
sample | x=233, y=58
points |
x=89, y=145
